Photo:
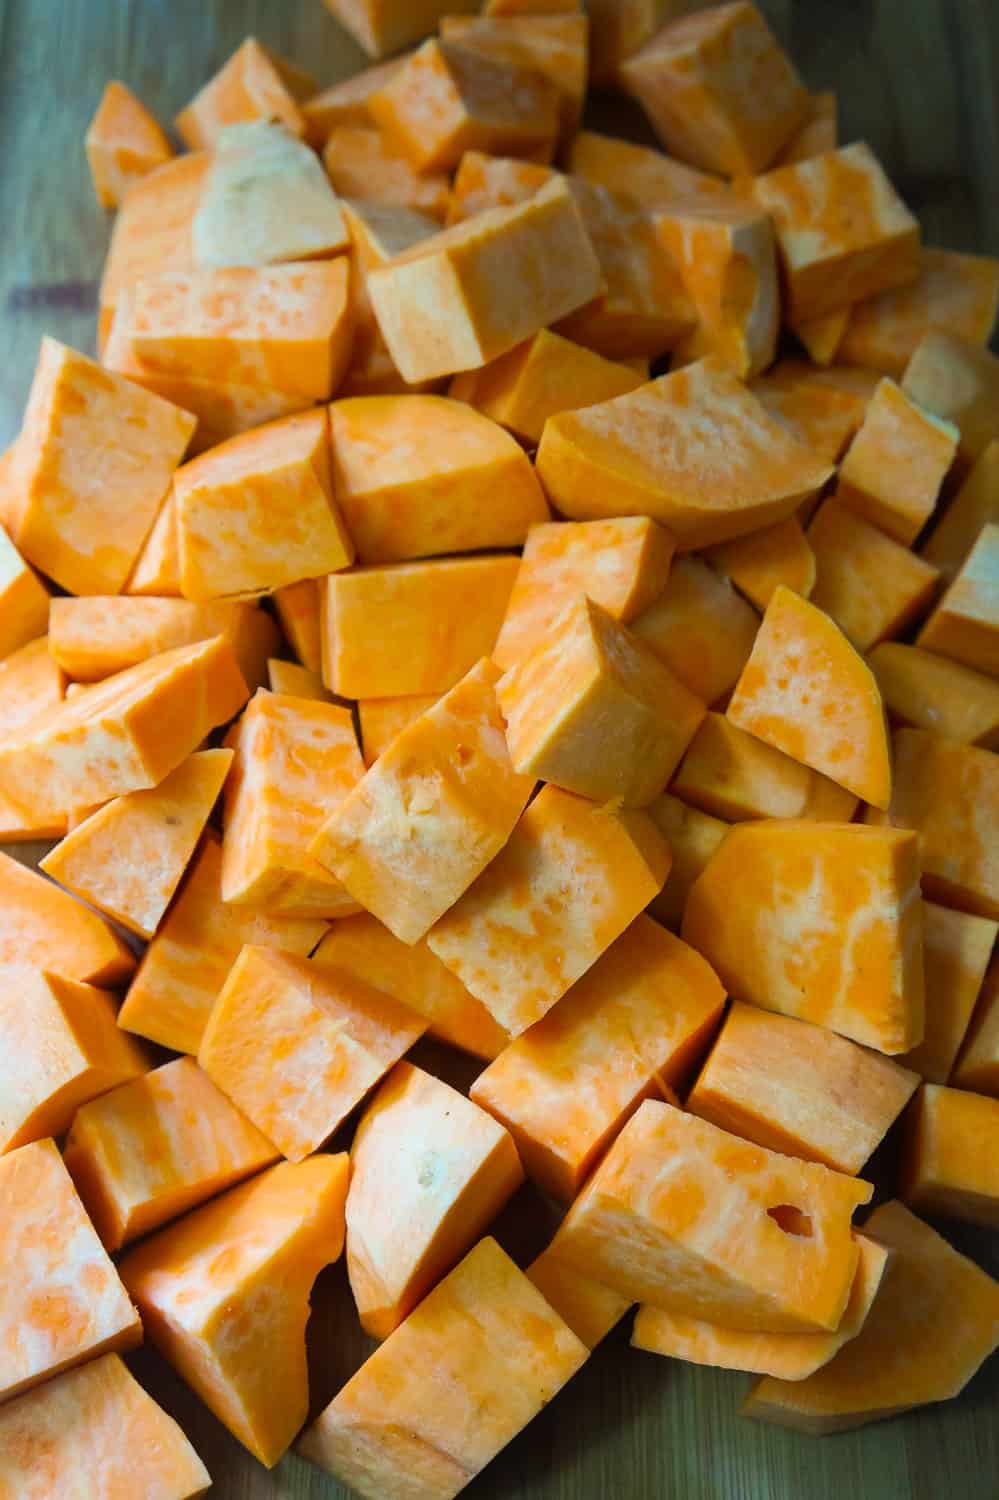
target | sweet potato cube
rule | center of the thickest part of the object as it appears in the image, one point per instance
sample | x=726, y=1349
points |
x=820, y=921
x=381, y=719
x=429, y=1171
x=956, y=952
x=805, y=691
x=640, y=173
x=296, y=1045
x=958, y=381
x=823, y=408
x=24, y=600
x=818, y=133
x=128, y=857
x=483, y=181
x=252, y=85
x=157, y=1147
x=786, y=1356
x=298, y=609
x=224, y=1295
x=593, y=710
x=701, y=628
x=641, y=1225
x=30, y=682
x=949, y=1165
x=634, y=1023
x=758, y=563
x=365, y=949
x=800, y=1089
x=430, y=814
x=345, y=102
x=590, y=1308
x=186, y=964
x=977, y=1067
x=975, y=506
x=693, y=837
x=573, y=876
x=480, y=1356
x=363, y=163
x=385, y=26
x=924, y=691
x=412, y=629
x=871, y=586
x=718, y=89
x=965, y=624
x=123, y=144
x=868, y=243
x=94, y=461
x=734, y=776
x=892, y=472
x=378, y=232
x=292, y=681
x=294, y=761
x=69, y=1305
x=555, y=46
x=933, y=1322
x=822, y=336
x=157, y=567
x=42, y=926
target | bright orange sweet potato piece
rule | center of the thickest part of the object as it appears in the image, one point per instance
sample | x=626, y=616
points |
x=95, y=1425
x=345, y=102
x=123, y=144
x=977, y=1068
x=958, y=381
x=185, y=965
x=293, y=681
x=822, y=336
x=362, y=162
x=817, y=920
x=840, y=731
x=296, y=1045
x=965, y=624
x=694, y=450
x=800, y=1089
x=956, y=951
x=381, y=719
x=385, y=26
x=224, y=1295
x=294, y=761
x=786, y=1356
x=412, y=629
x=483, y=181
x=871, y=586
x=378, y=232
x=297, y=606
x=252, y=85
x=693, y=837
x=924, y=691
x=555, y=46
x=630, y=1027
x=640, y=173
x=157, y=1147
x=590, y=1308
x=94, y=461
x=759, y=562
x=65, y=1303
x=258, y=511
x=949, y=1166
x=892, y=472
x=701, y=628
x=429, y=815
x=127, y=858
x=157, y=568
x=429, y=1171
x=824, y=408
x=364, y=948
x=42, y=926
x=30, y=682
x=24, y=600
x=593, y=710
x=818, y=133
x=571, y=878
x=409, y=474
x=975, y=506
x=734, y=776
x=934, y=1321
x=641, y=1225
x=480, y=1356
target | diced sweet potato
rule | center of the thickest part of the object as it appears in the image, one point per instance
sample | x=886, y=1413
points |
x=701, y=628
x=892, y=472
x=224, y=1295
x=764, y=559
x=385, y=26
x=590, y=1308
x=157, y=567
x=42, y=926
x=555, y=46
x=824, y=408
x=956, y=952
x=822, y=336
x=925, y=691
x=123, y=144
x=965, y=624
x=298, y=609
x=949, y=1166
x=871, y=586
x=975, y=506
x=693, y=837
x=362, y=162
x=345, y=102
x=734, y=776
x=977, y=1068
x=381, y=719
x=378, y=232
x=646, y=176
x=818, y=133
x=817, y=920
x=958, y=381
x=24, y=600
x=293, y=681
x=483, y=181
x=252, y=85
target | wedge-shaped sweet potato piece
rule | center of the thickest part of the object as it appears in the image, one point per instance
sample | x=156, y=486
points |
x=758, y=563
x=30, y=682
x=24, y=600
x=345, y=102
x=892, y=472
x=701, y=628
x=965, y=624
x=800, y=1089
x=818, y=920
x=958, y=381
x=429, y=1171
x=692, y=836
x=956, y=952
x=633, y=1024
x=381, y=719
x=157, y=567
x=123, y=144
x=381, y=28
x=253, y=85
x=484, y=181
x=296, y=1045
x=647, y=1224
x=125, y=733
x=694, y=450
x=293, y=681
x=467, y=1371
x=975, y=506
x=157, y=1147
x=822, y=336
x=924, y=691
x=806, y=691
x=641, y=173
x=378, y=232
x=949, y=1164
x=364, y=948
x=43, y=927
x=590, y=1308
x=298, y=609
x=127, y=858
x=824, y=408
x=95, y=1425
x=65, y=1303
x=735, y=777
x=363, y=163
x=786, y=1356
x=224, y=1295
x=294, y=761
x=934, y=1321
x=199, y=940
x=554, y=45
x=977, y=1067
x=593, y=710
x=571, y=878
x=430, y=814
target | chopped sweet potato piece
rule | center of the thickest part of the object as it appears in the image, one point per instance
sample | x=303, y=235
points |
x=965, y=624
x=123, y=144
x=483, y=181
x=735, y=777
x=590, y=1309
x=977, y=1067
x=363, y=163
x=381, y=719
x=824, y=408
x=345, y=102
x=298, y=609
x=701, y=628
x=975, y=506
x=224, y=1295
x=949, y=1165
x=252, y=85
x=378, y=232
x=892, y=472
x=925, y=691
x=646, y=176
x=956, y=952
x=42, y=926
x=293, y=681
x=822, y=336
x=759, y=562
x=818, y=133
x=692, y=836
x=820, y=921
x=556, y=46
x=157, y=567
x=958, y=381
x=24, y=600
x=385, y=26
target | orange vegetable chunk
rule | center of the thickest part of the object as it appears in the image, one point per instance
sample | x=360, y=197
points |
x=30, y=682
x=965, y=624
x=435, y=808
x=693, y=837
x=123, y=144
x=293, y=681
x=483, y=181
x=646, y=176
x=977, y=1067
x=734, y=776
x=44, y=927
x=253, y=85
x=94, y=461
x=759, y=562
x=95, y=1425
x=429, y=1171
x=345, y=102
x=820, y=921
x=818, y=133
x=800, y=1089
x=868, y=584
x=956, y=952
x=69, y=1305
x=701, y=628
x=157, y=1147
x=157, y=568
x=296, y=1045
x=381, y=719
x=630, y=1027
x=556, y=46
x=892, y=472
x=378, y=232
x=800, y=654
x=949, y=1166
x=295, y=759
x=646, y=1224
x=480, y=1356
x=224, y=1295
x=821, y=337
x=975, y=506
x=924, y=691
x=933, y=1323
x=363, y=163
x=298, y=609
x=571, y=878
x=590, y=1309
x=823, y=408
x=186, y=964
x=959, y=381
x=385, y=26
x=719, y=91
x=24, y=600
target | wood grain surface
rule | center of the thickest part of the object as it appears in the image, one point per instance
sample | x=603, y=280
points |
x=918, y=79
